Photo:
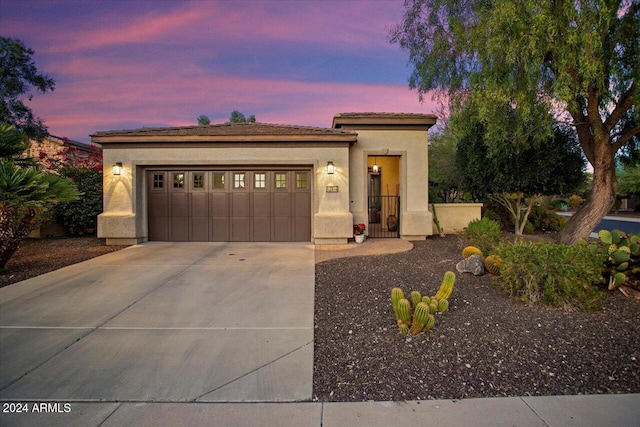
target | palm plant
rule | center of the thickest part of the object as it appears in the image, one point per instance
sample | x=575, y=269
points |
x=26, y=193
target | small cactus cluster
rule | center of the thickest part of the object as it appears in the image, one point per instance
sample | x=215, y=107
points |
x=621, y=252
x=492, y=263
x=424, y=307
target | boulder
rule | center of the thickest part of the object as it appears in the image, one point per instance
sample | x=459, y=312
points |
x=474, y=265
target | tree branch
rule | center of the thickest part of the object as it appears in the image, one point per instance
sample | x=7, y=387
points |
x=624, y=103
x=625, y=137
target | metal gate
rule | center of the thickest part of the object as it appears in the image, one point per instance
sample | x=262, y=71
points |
x=384, y=216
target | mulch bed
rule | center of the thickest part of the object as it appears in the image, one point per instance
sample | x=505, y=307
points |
x=38, y=256
x=486, y=345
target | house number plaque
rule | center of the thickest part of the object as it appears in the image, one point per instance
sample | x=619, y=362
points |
x=332, y=188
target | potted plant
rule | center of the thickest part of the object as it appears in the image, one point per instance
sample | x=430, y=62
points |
x=358, y=232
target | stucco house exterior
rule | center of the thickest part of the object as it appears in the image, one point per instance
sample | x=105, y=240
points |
x=267, y=182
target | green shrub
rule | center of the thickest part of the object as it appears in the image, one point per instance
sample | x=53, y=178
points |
x=543, y=219
x=551, y=274
x=80, y=216
x=484, y=234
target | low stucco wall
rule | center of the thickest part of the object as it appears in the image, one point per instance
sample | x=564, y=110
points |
x=454, y=217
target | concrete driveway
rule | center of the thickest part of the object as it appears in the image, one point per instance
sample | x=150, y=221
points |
x=178, y=322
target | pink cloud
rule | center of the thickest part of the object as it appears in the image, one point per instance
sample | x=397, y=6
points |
x=178, y=101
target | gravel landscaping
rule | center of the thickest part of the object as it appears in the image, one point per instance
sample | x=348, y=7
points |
x=485, y=346
x=38, y=256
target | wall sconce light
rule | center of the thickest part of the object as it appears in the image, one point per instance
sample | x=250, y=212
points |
x=376, y=168
x=330, y=168
x=117, y=168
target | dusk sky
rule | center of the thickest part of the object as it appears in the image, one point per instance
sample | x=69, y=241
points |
x=140, y=63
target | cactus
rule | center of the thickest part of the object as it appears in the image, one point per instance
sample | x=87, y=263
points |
x=421, y=313
x=492, y=264
x=416, y=328
x=416, y=298
x=431, y=321
x=433, y=306
x=616, y=280
x=404, y=310
x=617, y=236
x=605, y=237
x=621, y=255
x=470, y=250
x=424, y=307
x=396, y=296
x=446, y=288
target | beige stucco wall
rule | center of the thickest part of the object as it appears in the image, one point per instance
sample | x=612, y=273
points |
x=124, y=219
x=454, y=217
x=411, y=146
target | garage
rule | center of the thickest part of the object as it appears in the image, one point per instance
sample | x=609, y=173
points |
x=246, y=205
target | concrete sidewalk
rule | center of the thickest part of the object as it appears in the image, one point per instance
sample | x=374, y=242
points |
x=554, y=411
x=368, y=247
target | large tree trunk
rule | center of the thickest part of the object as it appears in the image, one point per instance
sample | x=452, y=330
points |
x=601, y=198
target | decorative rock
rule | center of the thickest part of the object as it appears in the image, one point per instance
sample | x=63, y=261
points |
x=474, y=265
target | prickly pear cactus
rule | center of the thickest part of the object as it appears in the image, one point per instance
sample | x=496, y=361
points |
x=470, y=250
x=621, y=257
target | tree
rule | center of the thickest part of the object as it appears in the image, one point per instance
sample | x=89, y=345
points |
x=26, y=193
x=516, y=178
x=629, y=181
x=203, y=120
x=80, y=216
x=238, y=117
x=18, y=74
x=442, y=171
x=580, y=58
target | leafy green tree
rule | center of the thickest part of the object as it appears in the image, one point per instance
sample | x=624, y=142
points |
x=629, y=181
x=18, y=75
x=516, y=177
x=442, y=170
x=579, y=59
x=203, y=120
x=26, y=193
x=238, y=117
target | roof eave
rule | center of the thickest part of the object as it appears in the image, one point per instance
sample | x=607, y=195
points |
x=350, y=138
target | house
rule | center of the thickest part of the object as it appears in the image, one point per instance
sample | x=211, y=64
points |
x=54, y=147
x=268, y=182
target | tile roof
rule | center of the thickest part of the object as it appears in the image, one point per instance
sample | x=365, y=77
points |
x=382, y=119
x=228, y=132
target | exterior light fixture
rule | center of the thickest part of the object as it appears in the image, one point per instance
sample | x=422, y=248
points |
x=330, y=168
x=117, y=168
x=376, y=168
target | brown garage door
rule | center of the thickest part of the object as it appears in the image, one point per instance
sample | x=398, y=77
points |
x=230, y=206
